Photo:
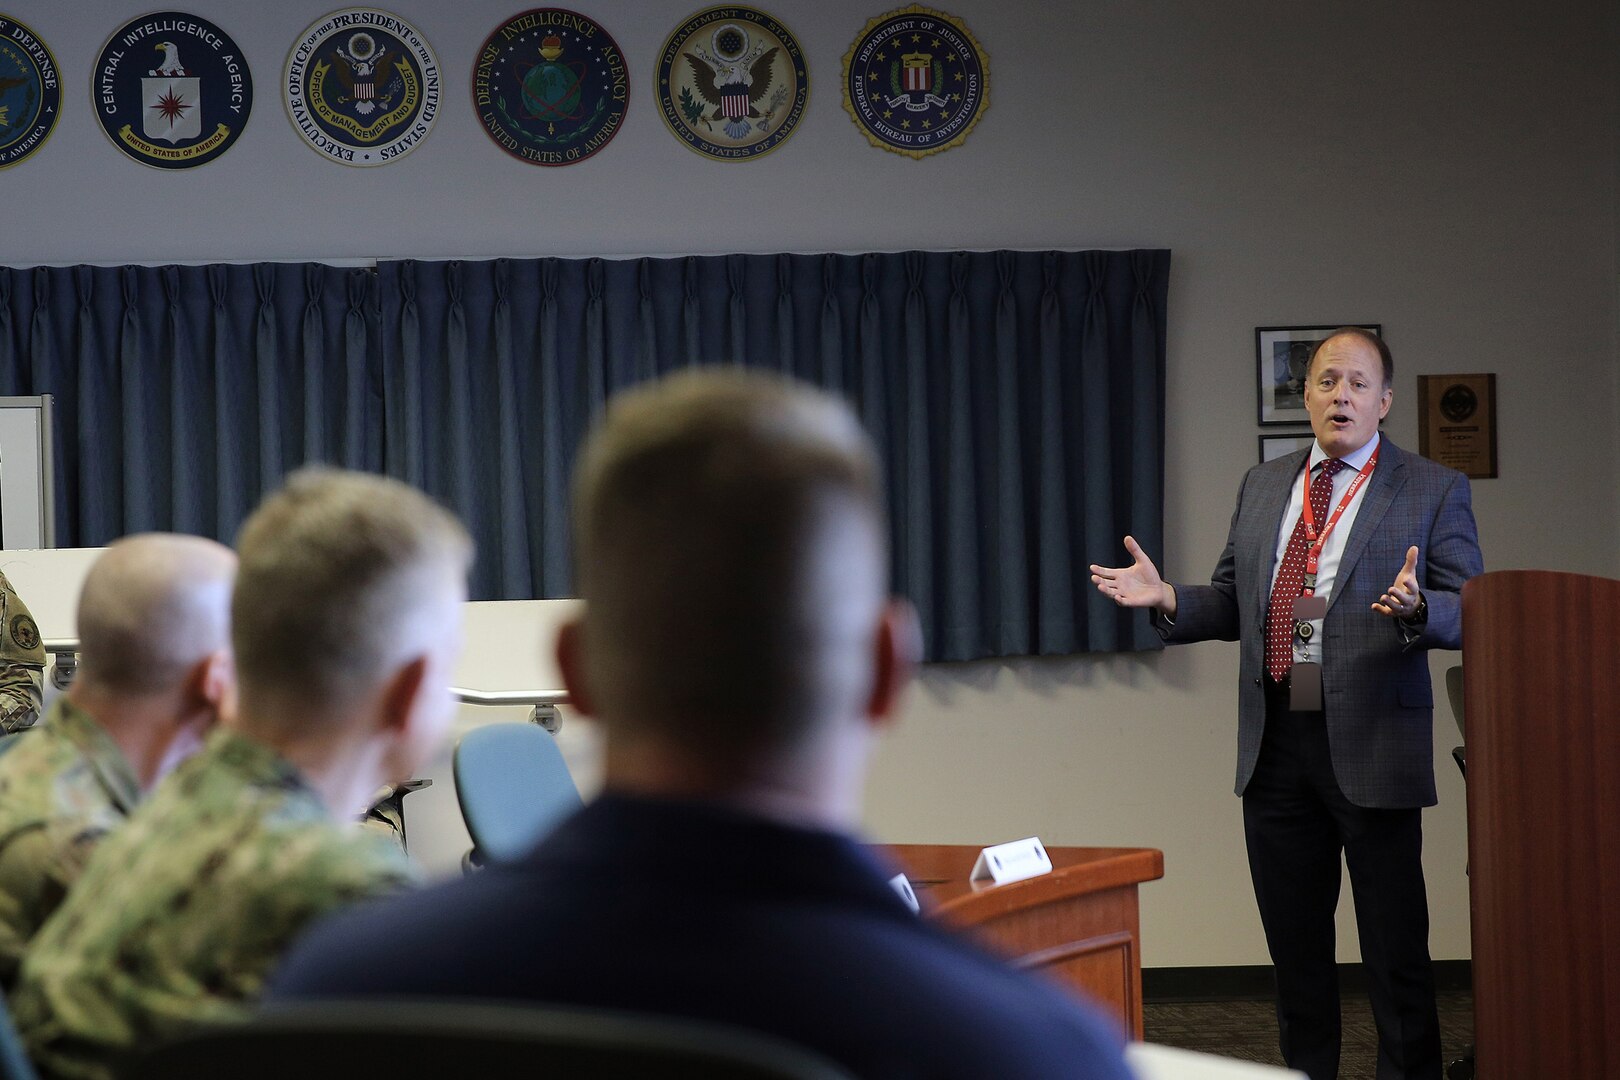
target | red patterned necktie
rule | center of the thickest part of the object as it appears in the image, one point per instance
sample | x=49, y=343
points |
x=1290, y=583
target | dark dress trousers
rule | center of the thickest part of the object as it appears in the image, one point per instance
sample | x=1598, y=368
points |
x=691, y=910
x=1353, y=776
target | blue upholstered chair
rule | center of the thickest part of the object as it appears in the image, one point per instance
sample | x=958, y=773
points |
x=513, y=786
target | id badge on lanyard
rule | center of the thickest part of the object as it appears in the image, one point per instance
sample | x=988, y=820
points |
x=1305, y=677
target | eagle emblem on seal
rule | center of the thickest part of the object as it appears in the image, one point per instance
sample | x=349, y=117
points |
x=731, y=77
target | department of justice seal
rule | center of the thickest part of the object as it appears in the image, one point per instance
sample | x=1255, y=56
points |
x=30, y=92
x=732, y=83
x=172, y=90
x=551, y=87
x=362, y=86
x=916, y=81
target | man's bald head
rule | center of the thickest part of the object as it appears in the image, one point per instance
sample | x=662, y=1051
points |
x=153, y=607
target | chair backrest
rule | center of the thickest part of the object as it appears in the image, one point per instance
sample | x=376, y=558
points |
x=1454, y=691
x=513, y=786
x=14, y=1063
x=488, y=1041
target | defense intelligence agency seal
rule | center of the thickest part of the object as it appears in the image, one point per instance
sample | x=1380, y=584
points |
x=732, y=83
x=30, y=92
x=551, y=87
x=172, y=90
x=916, y=81
x=362, y=86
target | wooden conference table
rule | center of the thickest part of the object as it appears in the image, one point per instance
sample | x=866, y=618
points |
x=1079, y=924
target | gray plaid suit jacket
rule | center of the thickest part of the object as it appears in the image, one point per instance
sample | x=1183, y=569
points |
x=1376, y=693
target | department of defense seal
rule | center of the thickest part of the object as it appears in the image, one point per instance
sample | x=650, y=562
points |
x=916, y=81
x=732, y=83
x=551, y=87
x=30, y=92
x=362, y=86
x=172, y=90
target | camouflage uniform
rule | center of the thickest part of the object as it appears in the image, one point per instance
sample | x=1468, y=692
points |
x=62, y=788
x=181, y=915
x=22, y=663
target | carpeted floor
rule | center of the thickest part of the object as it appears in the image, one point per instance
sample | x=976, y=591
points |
x=1248, y=1030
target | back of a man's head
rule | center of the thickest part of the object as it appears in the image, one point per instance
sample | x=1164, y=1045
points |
x=152, y=607
x=344, y=577
x=729, y=542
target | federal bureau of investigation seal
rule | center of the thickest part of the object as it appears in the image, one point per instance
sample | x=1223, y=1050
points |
x=172, y=90
x=732, y=83
x=916, y=81
x=30, y=92
x=362, y=86
x=551, y=87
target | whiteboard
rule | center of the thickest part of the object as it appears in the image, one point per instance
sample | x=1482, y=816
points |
x=27, y=495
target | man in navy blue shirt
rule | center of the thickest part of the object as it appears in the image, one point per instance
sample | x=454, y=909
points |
x=740, y=651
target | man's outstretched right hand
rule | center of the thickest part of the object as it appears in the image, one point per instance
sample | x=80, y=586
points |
x=1136, y=585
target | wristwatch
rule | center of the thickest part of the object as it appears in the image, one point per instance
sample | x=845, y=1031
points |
x=1421, y=614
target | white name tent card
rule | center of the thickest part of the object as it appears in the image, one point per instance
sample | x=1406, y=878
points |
x=1012, y=861
x=901, y=885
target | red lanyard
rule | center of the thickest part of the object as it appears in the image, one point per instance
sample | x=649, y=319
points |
x=1313, y=554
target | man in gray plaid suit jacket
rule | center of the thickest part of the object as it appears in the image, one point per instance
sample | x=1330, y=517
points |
x=1337, y=754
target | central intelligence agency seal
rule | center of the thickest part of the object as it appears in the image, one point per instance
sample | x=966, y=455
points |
x=30, y=92
x=916, y=81
x=551, y=87
x=732, y=83
x=362, y=86
x=172, y=90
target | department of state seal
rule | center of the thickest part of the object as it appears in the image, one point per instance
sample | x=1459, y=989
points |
x=732, y=83
x=172, y=90
x=916, y=81
x=30, y=92
x=362, y=86
x=551, y=87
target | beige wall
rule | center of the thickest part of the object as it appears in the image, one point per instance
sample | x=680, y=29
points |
x=1446, y=169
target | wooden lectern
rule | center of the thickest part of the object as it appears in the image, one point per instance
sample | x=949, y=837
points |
x=1078, y=924
x=1541, y=658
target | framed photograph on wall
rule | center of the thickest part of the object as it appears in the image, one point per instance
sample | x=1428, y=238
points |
x=1279, y=445
x=1281, y=354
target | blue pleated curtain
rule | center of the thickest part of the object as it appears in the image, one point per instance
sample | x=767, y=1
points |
x=1017, y=399
x=183, y=393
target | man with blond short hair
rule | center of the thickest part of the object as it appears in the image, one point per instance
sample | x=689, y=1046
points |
x=154, y=671
x=741, y=652
x=346, y=622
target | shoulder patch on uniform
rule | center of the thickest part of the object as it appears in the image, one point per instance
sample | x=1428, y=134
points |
x=24, y=632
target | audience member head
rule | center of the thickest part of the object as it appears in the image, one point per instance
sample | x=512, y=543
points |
x=154, y=646
x=347, y=623
x=730, y=545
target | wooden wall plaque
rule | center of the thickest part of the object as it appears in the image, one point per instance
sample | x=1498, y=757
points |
x=1458, y=425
